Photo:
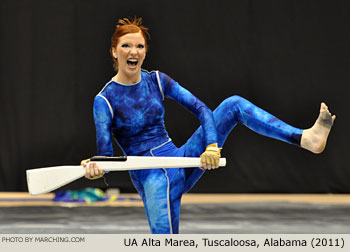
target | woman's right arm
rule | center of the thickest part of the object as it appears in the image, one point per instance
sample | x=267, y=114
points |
x=103, y=122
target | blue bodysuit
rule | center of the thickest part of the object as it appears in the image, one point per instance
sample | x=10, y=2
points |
x=134, y=116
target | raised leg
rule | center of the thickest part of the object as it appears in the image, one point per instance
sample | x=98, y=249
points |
x=231, y=111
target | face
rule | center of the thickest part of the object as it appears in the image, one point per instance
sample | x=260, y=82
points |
x=130, y=53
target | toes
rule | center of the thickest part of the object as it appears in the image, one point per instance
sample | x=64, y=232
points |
x=323, y=106
x=325, y=119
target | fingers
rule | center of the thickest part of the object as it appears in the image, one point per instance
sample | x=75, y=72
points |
x=209, y=161
x=215, y=162
x=92, y=171
x=206, y=162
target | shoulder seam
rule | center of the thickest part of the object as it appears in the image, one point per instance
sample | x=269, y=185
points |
x=106, y=100
x=159, y=84
x=109, y=105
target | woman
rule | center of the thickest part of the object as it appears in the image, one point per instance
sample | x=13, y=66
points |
x=130, y=107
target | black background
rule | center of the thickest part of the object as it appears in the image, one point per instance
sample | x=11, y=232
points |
x=284, y=56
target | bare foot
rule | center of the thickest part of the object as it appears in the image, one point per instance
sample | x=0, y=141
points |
x=315, y=138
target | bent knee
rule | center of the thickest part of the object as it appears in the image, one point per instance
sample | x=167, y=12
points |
x=235, y=100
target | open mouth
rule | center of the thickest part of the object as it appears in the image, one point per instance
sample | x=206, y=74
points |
x=132, y=62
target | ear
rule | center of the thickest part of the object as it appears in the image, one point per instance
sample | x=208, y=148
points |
x=114, y=52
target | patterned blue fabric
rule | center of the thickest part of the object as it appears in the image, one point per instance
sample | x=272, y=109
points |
x=134, y=115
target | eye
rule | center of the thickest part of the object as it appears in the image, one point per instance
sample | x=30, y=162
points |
x=140, y=46
x=125, y=45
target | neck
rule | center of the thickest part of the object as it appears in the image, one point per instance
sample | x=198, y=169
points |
x=126, y=79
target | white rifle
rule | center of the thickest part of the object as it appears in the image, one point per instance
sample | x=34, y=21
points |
x=44, y=180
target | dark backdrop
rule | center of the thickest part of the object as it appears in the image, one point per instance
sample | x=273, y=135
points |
x=284, y=56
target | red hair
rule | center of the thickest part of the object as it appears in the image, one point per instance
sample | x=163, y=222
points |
x=126, y=26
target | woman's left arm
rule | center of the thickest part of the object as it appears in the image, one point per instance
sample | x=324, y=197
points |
x=210, y=157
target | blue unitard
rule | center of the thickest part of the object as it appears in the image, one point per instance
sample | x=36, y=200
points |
x=134, y=116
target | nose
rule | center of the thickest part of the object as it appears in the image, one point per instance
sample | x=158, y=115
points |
x=133, y=51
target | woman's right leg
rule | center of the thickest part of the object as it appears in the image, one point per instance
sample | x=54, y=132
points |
x=161, y=191
x=155, y=191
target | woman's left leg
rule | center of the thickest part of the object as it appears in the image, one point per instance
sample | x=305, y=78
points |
x=231, y=111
